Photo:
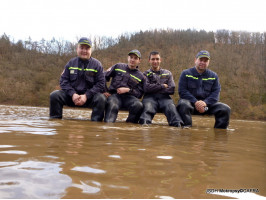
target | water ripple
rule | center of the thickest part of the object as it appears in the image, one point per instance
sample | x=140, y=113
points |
x=114, y=156
x=165, y=157
x=4, y=164
x=164, y=197
x=39, y=127
x=86, y=188
x=32, y=180
x=7, y=146
x=88, y=170
x=14, y=152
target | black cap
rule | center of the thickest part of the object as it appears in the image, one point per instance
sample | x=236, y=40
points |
x=203, y=54
x=136, y=52
x=85, y=41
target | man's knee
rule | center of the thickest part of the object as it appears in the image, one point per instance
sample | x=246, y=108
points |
x=56, y=104
x=170, y=107
x=112, y=103
x=149, y=107
x=224, y=109
x=222, y=115
x=184, y=104
x=99, y=98
x=137, y=106
x=54, y=95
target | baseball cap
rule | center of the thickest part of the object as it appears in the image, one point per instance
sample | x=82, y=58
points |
x=85, y=41
x=136, y=52
x=203, y=54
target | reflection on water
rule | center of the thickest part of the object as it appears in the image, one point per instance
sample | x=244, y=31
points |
x=24, y=126
x=14, y=152
x=77, y=158
x=88, y=170
x=32, y=179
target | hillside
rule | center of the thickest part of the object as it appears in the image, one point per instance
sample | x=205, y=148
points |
x=30, y=70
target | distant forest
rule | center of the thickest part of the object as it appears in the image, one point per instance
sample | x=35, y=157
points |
x=30, y=70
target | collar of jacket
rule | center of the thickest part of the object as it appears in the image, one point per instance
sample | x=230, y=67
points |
x=137, y=68
x=196, y=73
x=85, y=62
x=156, y=72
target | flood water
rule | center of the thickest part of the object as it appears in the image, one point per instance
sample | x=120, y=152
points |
x=77, y=158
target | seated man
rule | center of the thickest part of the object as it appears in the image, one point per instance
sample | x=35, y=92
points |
x=82, y=84
x=125, y=89
x=159, y=86
x=199, y=90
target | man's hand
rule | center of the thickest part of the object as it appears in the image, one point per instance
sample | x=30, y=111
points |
x=122, y=90
x=75, y=98
x=107, y=94
x=165, y=85
x=200, y=106
x=79, y=100
x=82, y=100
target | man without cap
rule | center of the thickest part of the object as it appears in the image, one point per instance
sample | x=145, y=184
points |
x=199, y=91
x=82, y=84
x=159, y=86
x=126, y=89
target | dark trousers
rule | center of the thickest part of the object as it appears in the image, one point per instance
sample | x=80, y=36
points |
x=118, y=101
x=152, y=103
x=59, y=98
x=220, y=110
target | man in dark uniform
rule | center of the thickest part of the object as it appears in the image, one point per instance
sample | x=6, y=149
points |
x=199, y=90
x=159, y=86
x=125, y=90
x=82, y=83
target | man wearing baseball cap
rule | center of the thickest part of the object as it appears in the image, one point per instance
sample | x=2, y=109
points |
x=126, y=88
x=82, y=84
x=199, y=91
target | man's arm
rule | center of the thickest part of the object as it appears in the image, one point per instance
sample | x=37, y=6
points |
x=65, y=81
x=139, y=90
x=107, y=76
x=152, y=86
x=170, y=89
x=215, y=92
x=183, y=91
x=99, y=83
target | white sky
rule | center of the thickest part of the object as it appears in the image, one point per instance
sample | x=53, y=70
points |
x=70, y=19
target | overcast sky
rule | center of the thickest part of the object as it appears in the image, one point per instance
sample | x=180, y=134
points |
x=69, y=19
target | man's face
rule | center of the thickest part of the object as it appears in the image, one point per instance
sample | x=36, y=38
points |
x=133, y=61
x=84, y=51
x=155, y=61
x=201, y=64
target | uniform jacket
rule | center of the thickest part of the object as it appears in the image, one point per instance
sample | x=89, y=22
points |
x=83, y=77
x=123, y=76
x=155, y=81
x=194, y=86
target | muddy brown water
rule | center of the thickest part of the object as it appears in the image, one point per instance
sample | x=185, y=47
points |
x=77, y=158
